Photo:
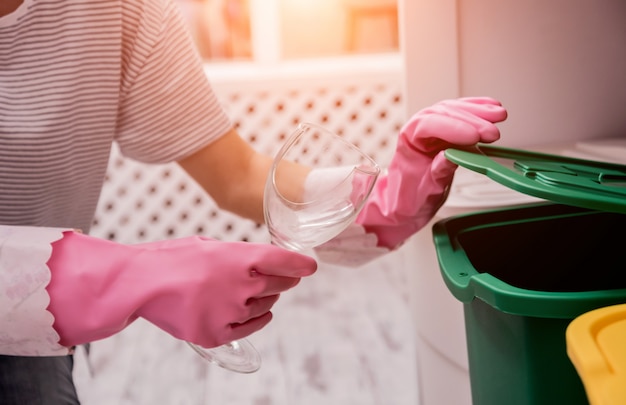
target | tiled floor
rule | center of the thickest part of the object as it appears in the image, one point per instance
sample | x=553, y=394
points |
x=342, y=337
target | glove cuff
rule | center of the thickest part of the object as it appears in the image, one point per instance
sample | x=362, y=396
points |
x=25, y=322
x=352, y=248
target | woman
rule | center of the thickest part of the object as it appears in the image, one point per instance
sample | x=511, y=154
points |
x=76, y=76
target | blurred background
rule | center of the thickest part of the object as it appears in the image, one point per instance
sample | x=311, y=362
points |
x=244, y=29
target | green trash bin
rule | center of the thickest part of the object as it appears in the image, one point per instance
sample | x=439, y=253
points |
x=523, y=274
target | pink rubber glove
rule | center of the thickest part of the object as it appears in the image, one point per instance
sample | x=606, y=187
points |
x=196, y=289
x=419, y=175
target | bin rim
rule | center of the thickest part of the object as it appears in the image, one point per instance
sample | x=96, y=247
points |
x=466, y=283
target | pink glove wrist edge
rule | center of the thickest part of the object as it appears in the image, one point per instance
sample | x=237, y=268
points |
x=24, y=277
x=354, y=247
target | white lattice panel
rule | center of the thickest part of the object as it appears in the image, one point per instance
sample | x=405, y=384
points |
x=142, y=203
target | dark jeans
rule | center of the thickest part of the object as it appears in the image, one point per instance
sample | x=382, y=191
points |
x=37, y=381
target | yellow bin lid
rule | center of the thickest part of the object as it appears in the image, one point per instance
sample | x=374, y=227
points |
x=596, y=345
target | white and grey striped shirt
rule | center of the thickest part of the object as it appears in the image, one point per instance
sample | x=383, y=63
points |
x=76, y=75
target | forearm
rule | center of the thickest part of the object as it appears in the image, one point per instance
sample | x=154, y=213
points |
x=245, y=193
x=234, y=175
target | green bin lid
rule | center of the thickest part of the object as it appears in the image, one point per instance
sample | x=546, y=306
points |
x=579, y=193
x=565, y=180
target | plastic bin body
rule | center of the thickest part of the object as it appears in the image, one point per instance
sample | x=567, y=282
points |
x=523, y=275
x=440, y=327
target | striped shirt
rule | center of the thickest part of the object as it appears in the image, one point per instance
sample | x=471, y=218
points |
x=77, y=75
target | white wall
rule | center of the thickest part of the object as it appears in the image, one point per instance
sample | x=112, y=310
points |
x=429, y=45
x=557, y=65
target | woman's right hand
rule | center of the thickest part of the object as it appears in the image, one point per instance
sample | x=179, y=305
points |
x=197, y=289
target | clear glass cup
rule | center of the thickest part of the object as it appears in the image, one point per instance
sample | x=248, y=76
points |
x=316, y=187
x=239, y=356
